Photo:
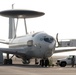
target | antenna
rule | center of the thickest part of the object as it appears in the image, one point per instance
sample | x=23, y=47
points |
x=25, y=26
x=19, y=14
x=12, y=6
x=12, y=29
x=17, y=24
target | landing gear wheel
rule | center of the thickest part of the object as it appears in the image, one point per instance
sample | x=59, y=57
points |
x=46, y=62
x=10, y=61
x=7, y=61
x=42, y=62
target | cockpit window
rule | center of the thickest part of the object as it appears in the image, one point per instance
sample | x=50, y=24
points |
x=50, y=40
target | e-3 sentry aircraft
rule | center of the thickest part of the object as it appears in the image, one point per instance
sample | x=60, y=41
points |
x=38, y=45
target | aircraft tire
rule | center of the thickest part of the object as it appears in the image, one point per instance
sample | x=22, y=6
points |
x=46, y=62
x=42, y=62
x=10, y=61
x=7, y=61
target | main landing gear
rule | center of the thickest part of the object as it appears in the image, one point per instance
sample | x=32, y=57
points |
x=8, y=61
x=44, y=62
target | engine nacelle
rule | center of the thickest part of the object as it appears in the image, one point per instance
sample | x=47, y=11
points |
x=26, y=61
x=18, y=56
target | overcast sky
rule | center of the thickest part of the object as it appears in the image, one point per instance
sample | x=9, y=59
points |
x=60, y=17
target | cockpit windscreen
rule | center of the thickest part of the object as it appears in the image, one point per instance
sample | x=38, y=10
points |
x=49, y=40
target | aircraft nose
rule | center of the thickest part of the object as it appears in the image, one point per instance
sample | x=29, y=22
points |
x=52, y=45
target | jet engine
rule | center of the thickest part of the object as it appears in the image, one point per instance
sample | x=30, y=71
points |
x=25, y=61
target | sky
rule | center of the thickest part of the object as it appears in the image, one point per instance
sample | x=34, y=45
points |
x=60, y=17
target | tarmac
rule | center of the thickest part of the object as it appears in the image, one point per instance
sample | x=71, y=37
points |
x=19, y=69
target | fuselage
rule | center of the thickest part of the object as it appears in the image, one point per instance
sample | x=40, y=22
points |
x=39, y=45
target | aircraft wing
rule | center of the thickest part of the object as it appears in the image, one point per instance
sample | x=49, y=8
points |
x=3, y=41
x=16, y=51
x=59, y=50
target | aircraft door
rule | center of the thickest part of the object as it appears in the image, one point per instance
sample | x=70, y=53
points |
x=30, y=43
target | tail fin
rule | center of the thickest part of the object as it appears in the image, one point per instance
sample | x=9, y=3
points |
x=57, y=40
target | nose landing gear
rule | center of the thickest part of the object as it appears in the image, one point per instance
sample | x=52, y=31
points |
x=44, y=62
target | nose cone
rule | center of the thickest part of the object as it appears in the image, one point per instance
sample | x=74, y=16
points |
x=52, y=45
